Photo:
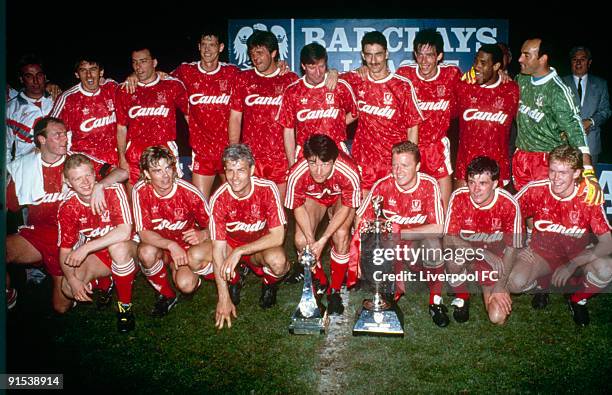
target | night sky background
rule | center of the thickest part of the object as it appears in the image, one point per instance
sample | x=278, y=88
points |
x=58, y=31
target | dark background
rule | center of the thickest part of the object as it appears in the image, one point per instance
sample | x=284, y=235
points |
x=57, y=32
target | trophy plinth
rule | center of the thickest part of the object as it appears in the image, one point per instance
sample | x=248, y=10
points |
x=309, y=318
x=377, y=316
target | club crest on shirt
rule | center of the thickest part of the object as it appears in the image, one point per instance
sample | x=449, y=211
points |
x=255, y=210
x=110, y=105
x=179, y=213
x=539, y=101
x=441, y=90
x=499, y=103
x=388, y=99
x=105, y=216
x=329, y=98
x=223, y=85
x=278, y=89
x=496, y=223
x=416, y=205
x=574, y=217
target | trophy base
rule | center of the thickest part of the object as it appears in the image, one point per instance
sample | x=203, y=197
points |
x=315, y=325
x=388, y=322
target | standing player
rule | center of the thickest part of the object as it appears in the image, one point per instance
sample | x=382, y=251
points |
x=411, y=201
x=563, y=228
x=171, y=218
x=94, y=245
x=486, y=110
x=546, y=112
x=388, y=110
x=88, y=110
x=209, y=87
x=325, y=181
x=27, y=108
x=483, y=216
x=37, y=182
x=435, y=84
x=148, y=116
x=248, y=225
x=309, y=107
x=256, y=97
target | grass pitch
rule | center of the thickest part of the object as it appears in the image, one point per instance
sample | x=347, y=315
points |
x=537, y=351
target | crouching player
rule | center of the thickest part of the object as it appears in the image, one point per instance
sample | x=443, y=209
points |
x=559, y=247
x=485, y=219
x=411, y=200
x=325, y=181
x=248, y=225
x=171, y=217
x=96, y=243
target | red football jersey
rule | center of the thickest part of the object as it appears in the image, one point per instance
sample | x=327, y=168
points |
x=258, y=98
x=342, y=183
x=43, y=213
x=387, y=108
x=209, y=104
x=419, y=205
x=485, y=119
x=561, y=227
x=437, y=97
x=315, y=109
x=150, y=112
x=494, y=226
x=182, y=209
x=78, y=224
x=91, y=120
x=243, y=220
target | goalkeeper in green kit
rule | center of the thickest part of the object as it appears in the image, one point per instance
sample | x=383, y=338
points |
x=547, y=118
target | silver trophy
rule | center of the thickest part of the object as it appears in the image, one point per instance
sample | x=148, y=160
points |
x=309, y=317
x=379, y=316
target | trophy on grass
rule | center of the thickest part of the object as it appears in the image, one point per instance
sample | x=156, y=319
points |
x=379, y=316
x=309, y=317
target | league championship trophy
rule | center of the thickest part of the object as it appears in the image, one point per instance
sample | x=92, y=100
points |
x=309, y=317
x=378, y=316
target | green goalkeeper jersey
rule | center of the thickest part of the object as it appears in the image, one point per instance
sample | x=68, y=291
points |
x=546, y=109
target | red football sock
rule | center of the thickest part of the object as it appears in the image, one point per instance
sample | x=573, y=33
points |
x=435, y=286
x=319, y=273
x=158, y=277
x=339, y=266
x=124, y=274
x=587, y=291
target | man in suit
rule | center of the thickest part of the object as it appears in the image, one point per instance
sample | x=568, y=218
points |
x=591, y=93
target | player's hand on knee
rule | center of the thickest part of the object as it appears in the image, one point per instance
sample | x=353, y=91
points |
x=80, y=290
x=76, y=257
x=593, y=195
x=178, y=254
x=194, y=237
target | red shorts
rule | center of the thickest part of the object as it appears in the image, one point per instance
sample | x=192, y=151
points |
x=299, y=151
x=45, y=243
x=104, y=256
x=206, y=165
x=273, y=170
x=528, y=166
x=373, y=172
x=436, y=158
x=134, y=151
x=464, y=158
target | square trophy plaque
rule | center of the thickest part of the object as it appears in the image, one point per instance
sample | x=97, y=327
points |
x=379, y=316
x=310, y=317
